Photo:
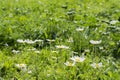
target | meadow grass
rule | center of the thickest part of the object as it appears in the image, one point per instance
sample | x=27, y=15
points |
x=59, y=39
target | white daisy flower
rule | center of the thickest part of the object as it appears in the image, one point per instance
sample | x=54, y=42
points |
x=101, y=48
x=15, y=51
x=38, y=40
x=29, y=71
x=29, y=41
x=62, y=47
x=114, y=21
x=21, y=66
x=79, y=29
x=20, y=41
x=50, y=40
x=87, y=50
x=69, y=63
x=78, y=59
x=6, y=45
x=96, y=65
x=95, y=42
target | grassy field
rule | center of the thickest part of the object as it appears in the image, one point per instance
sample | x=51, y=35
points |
x=59, y=39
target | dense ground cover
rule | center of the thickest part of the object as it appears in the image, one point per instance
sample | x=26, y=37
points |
x=59, y=39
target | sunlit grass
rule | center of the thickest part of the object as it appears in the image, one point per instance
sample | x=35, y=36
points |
x=59, y=40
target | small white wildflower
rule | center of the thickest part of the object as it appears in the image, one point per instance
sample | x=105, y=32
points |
x=62, y=47
x=21, y=66
x=6, y=45
x=37, y=51
x=101, y=48
x=79, y=29
x=50, y=40
x=29, y=71
x=114, y=21
x=38, y=40
x=20, y=41
x=15, y=51
x=29, y=41
x=78, y=59
x=69, y=63
x=70, y=39
x=96, y=65
x=95, y=42
x=87, y=50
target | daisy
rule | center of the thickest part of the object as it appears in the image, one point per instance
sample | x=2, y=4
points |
x=78, y=59
x=38, y=40
x=101, y=48
x=114, y=21
x=62, y=47
x=21, y=66
x=69, y=63
x=96, y=65
x=29, y=41
x=95, y=42
x=20, y=41
x=15, y=51
x=29, y=71
x=6, y=45
x=50, y=40
x=87, y=50
x=79, y=29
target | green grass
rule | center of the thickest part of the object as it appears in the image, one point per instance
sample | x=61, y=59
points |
x=58, y=20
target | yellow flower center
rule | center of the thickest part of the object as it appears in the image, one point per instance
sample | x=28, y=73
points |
x=77, y=60
x=70, y=64
x=97, y=65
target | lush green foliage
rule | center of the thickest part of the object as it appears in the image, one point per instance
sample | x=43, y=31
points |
x=59, y=39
